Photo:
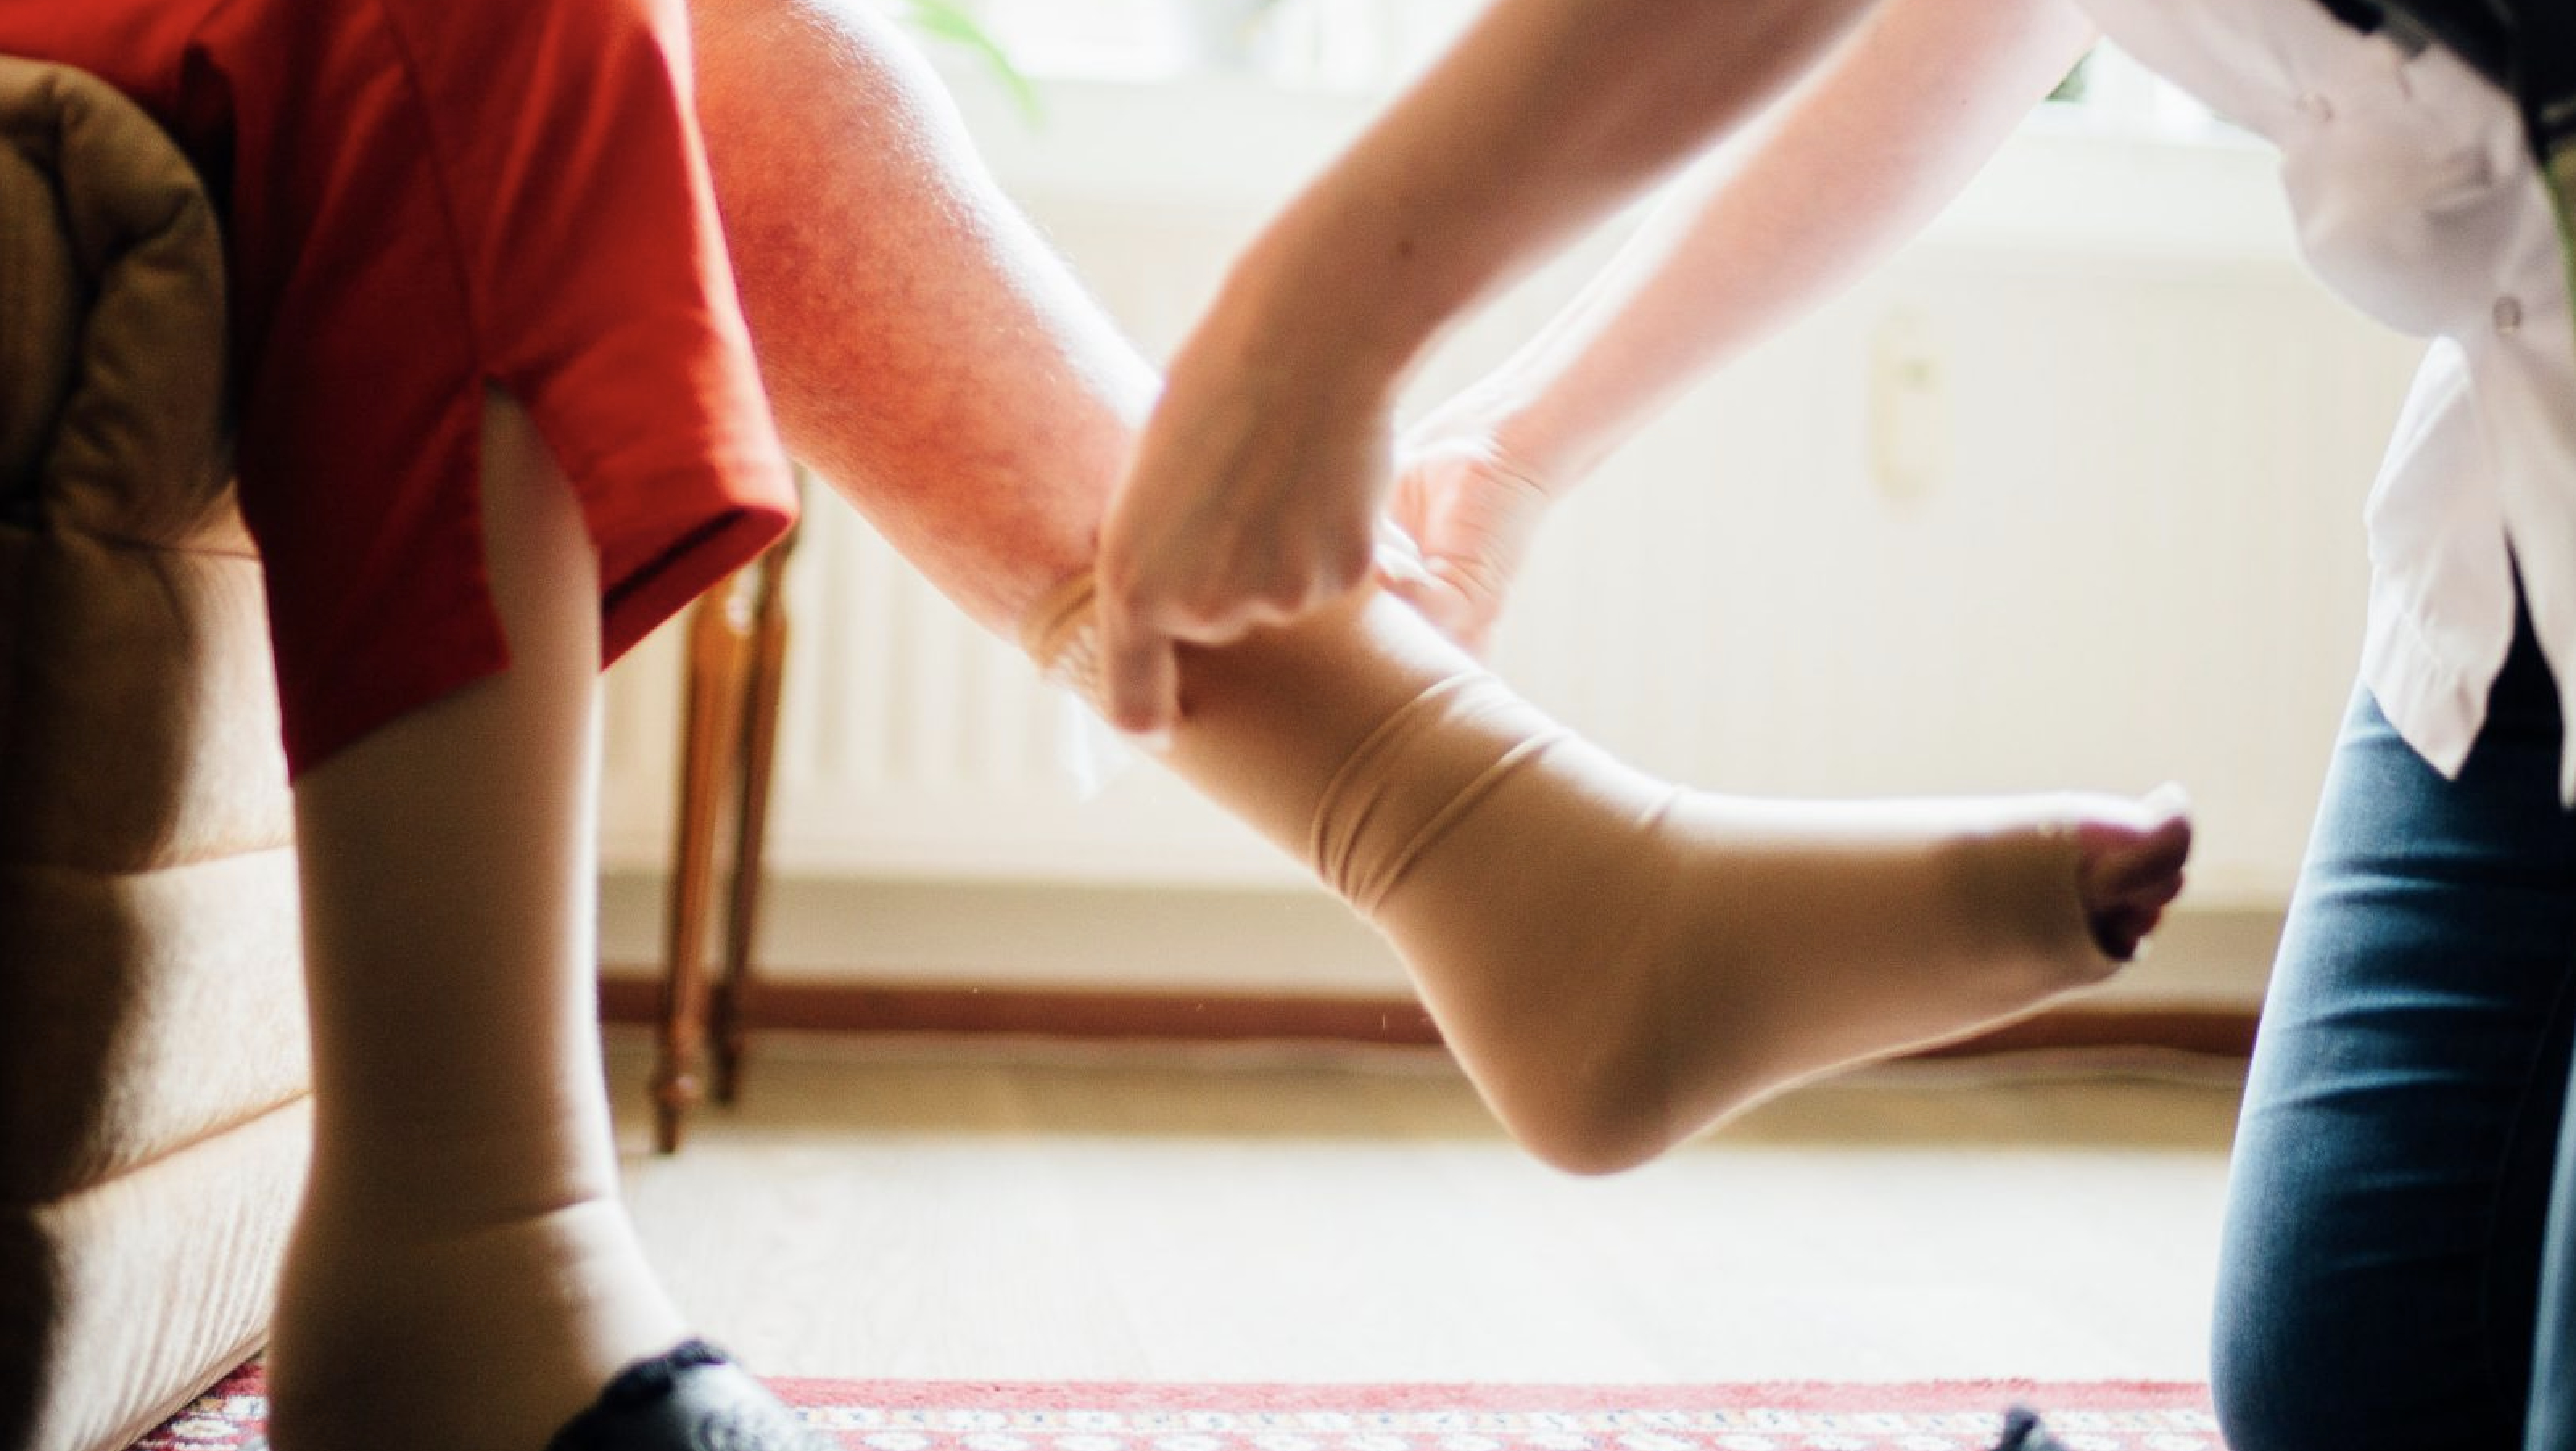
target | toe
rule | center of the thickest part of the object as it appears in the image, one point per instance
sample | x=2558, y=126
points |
x=2128, y=876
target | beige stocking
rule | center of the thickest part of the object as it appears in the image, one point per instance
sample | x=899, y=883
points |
x=462, y=1277
x=1619, y=961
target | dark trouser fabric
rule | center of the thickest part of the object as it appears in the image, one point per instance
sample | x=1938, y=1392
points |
x=2401, y=1225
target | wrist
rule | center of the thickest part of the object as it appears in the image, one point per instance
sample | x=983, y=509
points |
x=1277, y=318
x=1344, y=278
x=1529, y=443
x=1491, y=419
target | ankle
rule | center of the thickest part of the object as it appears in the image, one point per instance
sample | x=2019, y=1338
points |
x=379, y=1324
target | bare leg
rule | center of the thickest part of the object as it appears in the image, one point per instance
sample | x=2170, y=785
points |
x=923, y=349
x=462, y=1276
x=1616, y=961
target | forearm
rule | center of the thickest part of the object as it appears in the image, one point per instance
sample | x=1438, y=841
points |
x=1854, y=164
x=1544, y=118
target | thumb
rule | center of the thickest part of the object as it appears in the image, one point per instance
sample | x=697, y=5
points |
x=1436, y=597
x=1431, y=597
x=1139, y=677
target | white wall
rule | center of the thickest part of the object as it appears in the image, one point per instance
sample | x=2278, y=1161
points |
x=2122, y=547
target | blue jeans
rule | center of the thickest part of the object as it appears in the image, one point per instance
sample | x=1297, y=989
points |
x=2399, y=1262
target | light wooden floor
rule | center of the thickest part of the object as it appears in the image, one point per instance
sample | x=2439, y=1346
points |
x=1051, y=1213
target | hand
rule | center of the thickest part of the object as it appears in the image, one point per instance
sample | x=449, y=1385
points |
x=1472, y=511
x=1252, y=500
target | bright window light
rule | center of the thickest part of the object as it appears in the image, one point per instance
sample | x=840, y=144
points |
x=1375, y=45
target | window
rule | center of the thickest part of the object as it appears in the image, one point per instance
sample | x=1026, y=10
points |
x=1374, y=45
x=1348, y=44
x=2111, y=92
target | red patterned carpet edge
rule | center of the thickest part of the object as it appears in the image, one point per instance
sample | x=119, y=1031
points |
x=1117, y=1416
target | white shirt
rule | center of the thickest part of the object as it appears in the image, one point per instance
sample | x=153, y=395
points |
x=2418, y=201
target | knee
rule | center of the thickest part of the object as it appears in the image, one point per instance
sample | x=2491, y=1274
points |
x=2265, y=1347
x=2267, y=1395
x=818, y=51
x=2242, y=1387
x=2307, y=1351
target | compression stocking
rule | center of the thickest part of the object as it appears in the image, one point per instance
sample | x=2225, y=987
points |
x=1618, y=961
x=462, y=1277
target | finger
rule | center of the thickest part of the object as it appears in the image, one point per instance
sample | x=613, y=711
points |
x=1449, y=612
x=1428, y=597
x=1139, y=676
x=1397, y=558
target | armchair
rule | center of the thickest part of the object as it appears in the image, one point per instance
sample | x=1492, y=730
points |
x=153, y=1071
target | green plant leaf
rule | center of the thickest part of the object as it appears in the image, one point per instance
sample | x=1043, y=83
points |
x=949, y=21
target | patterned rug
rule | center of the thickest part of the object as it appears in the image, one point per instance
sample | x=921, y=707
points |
x=1109, y=1416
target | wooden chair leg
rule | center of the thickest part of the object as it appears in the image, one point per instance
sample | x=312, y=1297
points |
x=762, y=688
x=719, y=639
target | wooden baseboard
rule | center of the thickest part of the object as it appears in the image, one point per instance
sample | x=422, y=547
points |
x=1196, y=1017
x=2216, y=1032
x=631, y=996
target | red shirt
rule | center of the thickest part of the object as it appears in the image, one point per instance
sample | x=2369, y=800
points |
x=423, y=198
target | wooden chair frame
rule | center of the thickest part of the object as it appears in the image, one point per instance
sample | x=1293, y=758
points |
x=737, y=657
